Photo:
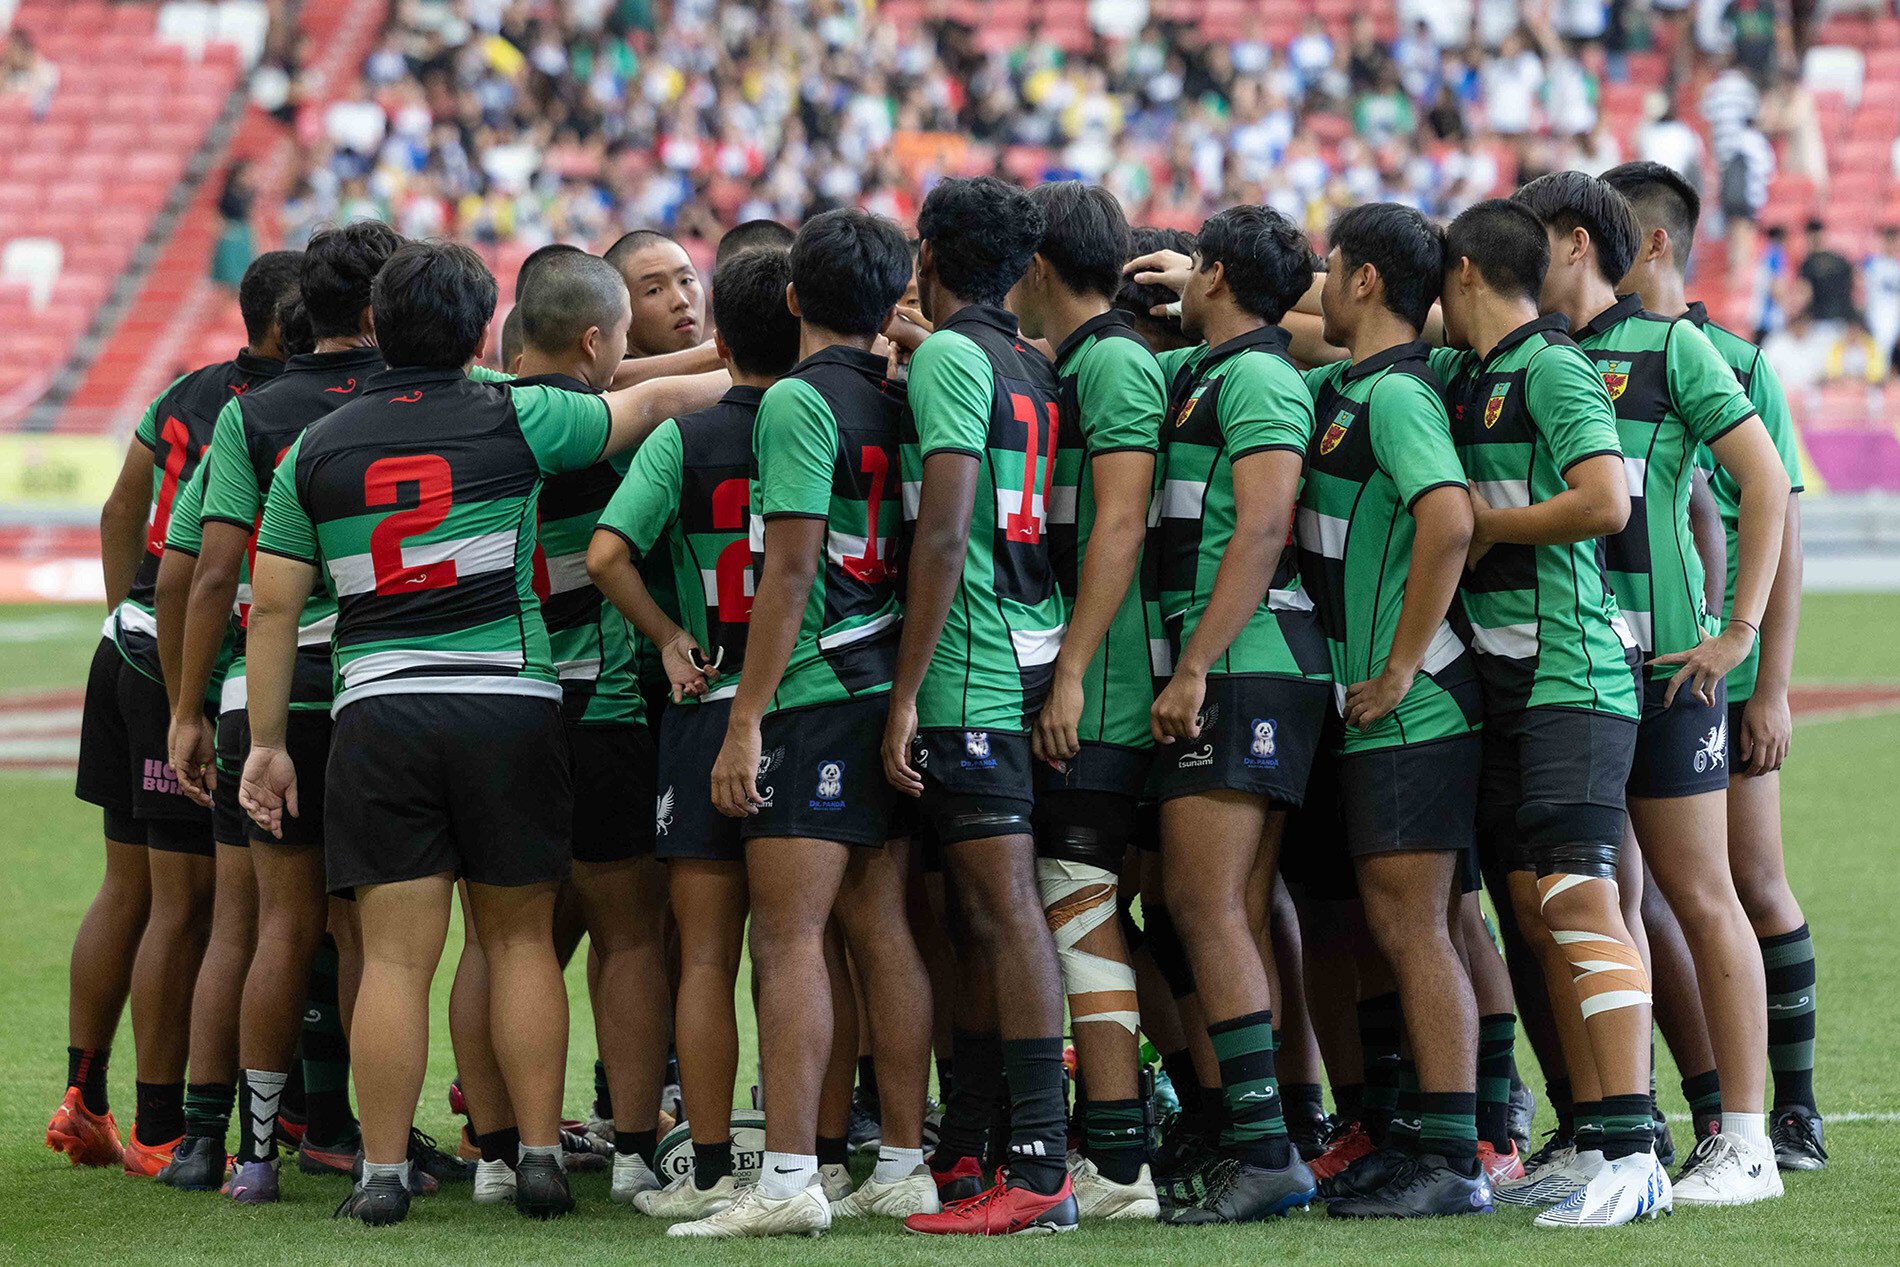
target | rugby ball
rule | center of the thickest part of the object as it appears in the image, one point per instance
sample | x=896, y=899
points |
x=674, y=1158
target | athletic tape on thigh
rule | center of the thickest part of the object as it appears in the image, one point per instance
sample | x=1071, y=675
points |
x=1077, y=899
x=1606, y=969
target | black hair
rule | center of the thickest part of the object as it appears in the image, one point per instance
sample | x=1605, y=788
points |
x=1085, y=236
x=1406, y=249
x=512, y=343
x=568, y=295
x=294, y=334
x=849, y=269
x=1505, y=242
x=1567, y=201
x=627, y=243
x=1138, y=300
x=1659, y=195
x=748, y=303
x=1265, y=258
x=752, y=235
x=538, y=256
x=432, y=302
x=338, y=267
x=270, y=278
x=982, y=232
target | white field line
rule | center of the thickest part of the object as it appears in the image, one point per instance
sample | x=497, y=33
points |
x=1829, y=1118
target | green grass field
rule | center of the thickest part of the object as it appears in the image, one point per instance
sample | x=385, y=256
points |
x=1842, y=800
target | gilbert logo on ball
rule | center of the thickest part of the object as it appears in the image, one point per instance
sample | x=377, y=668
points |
x=674, y=1157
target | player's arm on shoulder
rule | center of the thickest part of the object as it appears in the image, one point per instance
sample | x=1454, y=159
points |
x=282, y=579
x=634, y=411
x=702, y=358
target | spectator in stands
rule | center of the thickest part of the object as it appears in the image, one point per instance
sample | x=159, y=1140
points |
x=25, y=72
x=1880, y=275
x=1829, y=276
x=235, y=249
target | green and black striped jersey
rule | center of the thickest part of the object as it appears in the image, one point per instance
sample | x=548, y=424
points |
x=185, y=535
x=418, y=501
x=254, y=432
x=1224, y=404
x=592, y=644
x=1112, y=398
x=1544, y=624
x=1672, y=392
x=1381, y=441
x=976, y=389
x=1758, y=379
x=682, y=511
x=824, y=446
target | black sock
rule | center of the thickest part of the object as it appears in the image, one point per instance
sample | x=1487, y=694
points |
x=1448, y=1126
x=641, y=1144
x=966, y=1118
x=1179, y=1066
x=1703, y=1091
x=504, y=1145
x=1626, y=1126
x=603, y=1098
x=1038, y=1114
x=832, y=1152
x=1116, y=1133
x=161, y=1112
x=208, y=1109
x=1349, y=1101
x=711, y=1163
x=1788, y=960
x=1256, y=1123
x=86, y=1069
x=1557, y=1095
x=867, y=1081
x=295, y=1101
x=1497, y=1034
x=1303, y=1100
x=1380, y=1026
x=325, y=1067
x=946, y=1079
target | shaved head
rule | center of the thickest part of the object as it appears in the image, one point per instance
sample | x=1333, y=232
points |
x=568, y=295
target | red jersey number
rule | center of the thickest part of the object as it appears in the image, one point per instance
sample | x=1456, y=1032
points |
x=382, y=485
x=1023, y=524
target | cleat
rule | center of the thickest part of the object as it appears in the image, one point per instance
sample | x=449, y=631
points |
x=494, y=1182
x=376, y=1203
x=1520, y=1111
x=1348, y=1143
x=253, y=1183
x=1099, y=1197
x=684, y=1199
x=198, y=1164
x=1796, y=1135
x=865, y=1133
x=85, y=1137
x=1002, y=1210
x=835, y=1181
x=325, y=1159
x=541, y=1190
x=1239, y=1193
x=1554, y=1144
x=1310, y=1134
x=596, y=1129
x=421, y=1182
x=1728, y=1170
x=1551, y=1184
x=1662, y=1143
x=1365, y=1176
x=915, y=1193
x=1500, y=1167
x=1624, y=1190
x=442, y=1167
x=1425, y=1187
x=582, y=1153
x=1182, y=1165
x=458, y=1104
x=753, y=1214
x=290, y=1129
x=959, y=1183
x=144, y=1161
x=632, y=1176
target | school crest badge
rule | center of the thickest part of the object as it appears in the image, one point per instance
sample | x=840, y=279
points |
x=1335, y=431
x=1494, y=407
x=1616, y=377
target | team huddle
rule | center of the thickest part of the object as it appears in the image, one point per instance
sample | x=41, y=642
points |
x=1039, y=618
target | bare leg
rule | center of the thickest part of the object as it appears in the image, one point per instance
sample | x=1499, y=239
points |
x=834, y=1097
x=105, y=946
x=527, y=1003
x=793, y=884
x=623, y=903
x=1408, y=897
x=166, y=967
x=710, y=900
x=220, y=989
x=895, y=987
x=483, y=1088
x=404, y=926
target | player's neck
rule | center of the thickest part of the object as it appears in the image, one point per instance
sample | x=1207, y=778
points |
x=1377, y=330
x=1226, y=322
x=344, y=343
x=814, y=339
x=1068, y=311
x=535, y=363
x=1494, y=318
x=1591, y=297
x=1663, y=293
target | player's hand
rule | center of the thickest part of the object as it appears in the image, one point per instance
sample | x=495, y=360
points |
x=1368, y=701
x=1481, y=539
x=907, y=328
x=1161, y=268
x=1707, y=663
x=1055, y=735
x=681, y=658
x=193, y=755
x=1767, y=730
x=269, y=788
x=900, y=732
x=735, y=774
x=1176, y=713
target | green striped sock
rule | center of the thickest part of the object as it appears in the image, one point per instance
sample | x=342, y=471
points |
x=1589, y=1125
x=1497, y=1037
x=1448, y=1126
x=1406, y=1125
x=1256, y=1124
x=208, y=1109
x=1116, y=1133
x=1788, y=959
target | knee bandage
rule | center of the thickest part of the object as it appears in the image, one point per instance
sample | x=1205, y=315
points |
x=1606, y=970
x=1077, y=899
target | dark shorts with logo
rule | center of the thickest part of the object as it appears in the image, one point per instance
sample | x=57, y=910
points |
x=1421, y=796
x=821, y=772
x=477, y=785
x=613, y=792
x=228, y=819
x=124, y=769
x=1681, y=750
x=685, y=824
x=1552, y=776
x=1258, y=735
x=1313, y=851
x=307, y=737
x=978, y=784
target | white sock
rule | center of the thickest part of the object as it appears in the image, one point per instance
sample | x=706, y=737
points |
x=896, y=1163
x=1752, y=1127
x=398, y=1169
x=550, y=1151
x=783, y=1175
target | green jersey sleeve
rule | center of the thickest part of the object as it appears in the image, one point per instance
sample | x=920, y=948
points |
x=1449, y=363
x=230, y=489
x=1319, y=376
x=286, y=528
x=1565, y=394
x=1122, y=396
x=1263, y=404
x=482, y=374
x=1173, y=361
x=1708, y=399
x=951, y=386
x=795, y=442
x=648, y=500
x=1411, y=437
x=1771, y=402
x=567, y=430
x=185, y=533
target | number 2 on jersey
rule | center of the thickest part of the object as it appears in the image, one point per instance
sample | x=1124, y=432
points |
x=1024, y=524
x=435, y=493
x=731, y=570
